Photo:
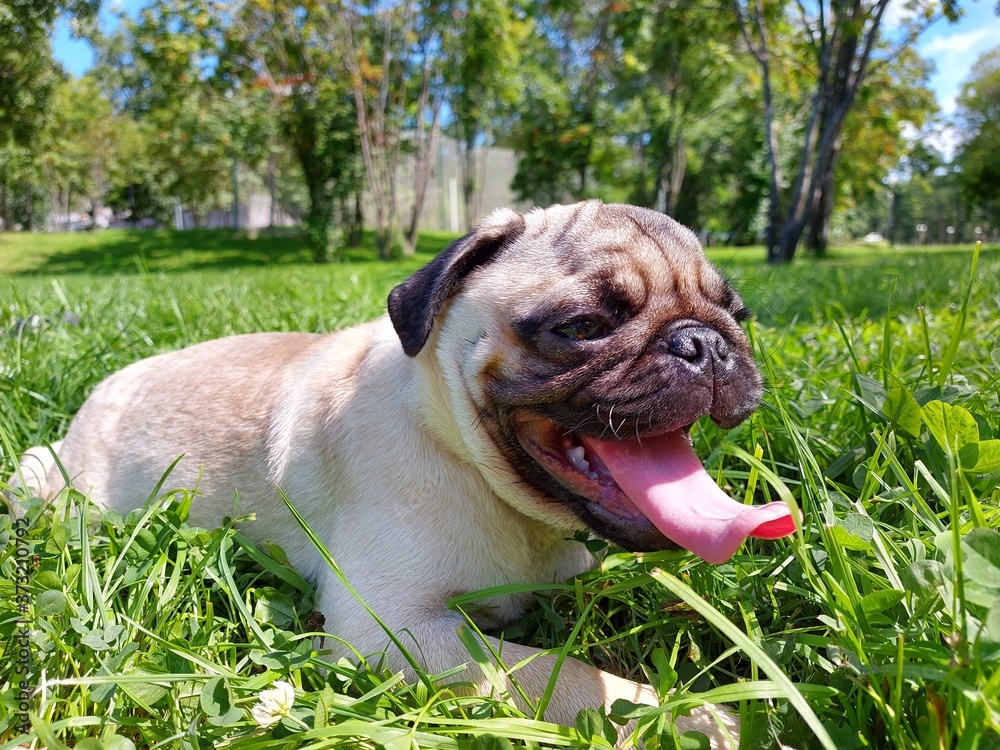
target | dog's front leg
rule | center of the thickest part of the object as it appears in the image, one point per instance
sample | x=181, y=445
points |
x=578, y=685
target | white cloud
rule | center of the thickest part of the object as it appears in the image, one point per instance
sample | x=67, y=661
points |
x=896, y=15
x=943, y=137
x=945, y=140
x=954, y=48
x=956, y=44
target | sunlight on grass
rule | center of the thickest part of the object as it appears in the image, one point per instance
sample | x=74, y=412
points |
x=877, y=626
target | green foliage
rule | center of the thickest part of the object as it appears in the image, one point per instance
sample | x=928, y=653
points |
x=825, y=61
x=561, y=117
x=29, y=72
x=554, y=141
x=29, y=79
x=481, y=63
x=320, y=122
x=873, y=145
x=195, y=131
x=650, y=102
x=281, y=49
x=481, y=70
x=979, y=111
x=87, y=146
x=677, y=67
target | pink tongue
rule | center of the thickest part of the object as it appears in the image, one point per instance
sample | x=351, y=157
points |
x=664, y=479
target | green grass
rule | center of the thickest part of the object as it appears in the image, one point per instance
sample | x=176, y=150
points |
x=878, y=626
x=145, y=251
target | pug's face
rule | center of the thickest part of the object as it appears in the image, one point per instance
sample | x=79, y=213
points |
x=589, y=339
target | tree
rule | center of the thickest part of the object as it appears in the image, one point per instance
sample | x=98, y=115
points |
x=725, y=180
x=136, y=190
x=841, y=39
x=28, y=74
x=394, y=66
x=19, y=193
x=978, y=119
x=274, y=46
x=321, y=124
x=482, y=57
x=80, y=160
x=677, y=61
x=928, y=200
x=164, y=70
x=894, y=94
x=28, y=79
x=644, y=102
x=566, y=101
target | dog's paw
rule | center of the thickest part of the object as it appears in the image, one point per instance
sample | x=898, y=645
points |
x=717, y=723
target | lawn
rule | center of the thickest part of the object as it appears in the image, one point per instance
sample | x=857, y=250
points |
x=876, y=627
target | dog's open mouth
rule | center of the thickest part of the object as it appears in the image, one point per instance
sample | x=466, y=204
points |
x=659, y=479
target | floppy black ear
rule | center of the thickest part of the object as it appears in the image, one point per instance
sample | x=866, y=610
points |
x=415, y=303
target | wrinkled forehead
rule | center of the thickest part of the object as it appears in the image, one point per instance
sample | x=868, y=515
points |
x=620, y=248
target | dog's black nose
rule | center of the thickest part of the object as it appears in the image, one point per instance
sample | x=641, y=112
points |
x=698, y=345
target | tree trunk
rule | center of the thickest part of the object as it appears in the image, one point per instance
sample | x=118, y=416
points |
x=761, y=53
x=389, y=240
x=320, y=234
x=96, y=207
x=380, y=113
x=385, y=220
x=235, y=219
x=843, y=52
x=818, y=239
x=320, y=237
x=4, y=209
x=672, y=175
x=483, y=160
x=318, y=229
x=29, y=206
x=272, y=188
x=804, y=190
x=890, y=223
x=426, y=148
x=356, y=222
x=470, y=177
x=815, y=169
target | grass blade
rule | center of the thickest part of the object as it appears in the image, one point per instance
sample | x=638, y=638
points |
x=756, y=653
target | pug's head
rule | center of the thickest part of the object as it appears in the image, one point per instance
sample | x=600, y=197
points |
x=586, y=340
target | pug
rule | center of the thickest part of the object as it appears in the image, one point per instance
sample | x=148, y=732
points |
x=538, y=378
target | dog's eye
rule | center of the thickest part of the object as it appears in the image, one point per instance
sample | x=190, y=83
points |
x=584, y=329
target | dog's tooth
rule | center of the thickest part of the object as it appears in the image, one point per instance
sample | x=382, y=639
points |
x=592, y=475
x=577, y=459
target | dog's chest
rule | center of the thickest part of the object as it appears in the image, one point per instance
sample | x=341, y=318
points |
x=539, y=561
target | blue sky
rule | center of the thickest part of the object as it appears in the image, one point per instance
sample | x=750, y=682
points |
x=76, y=55
x=953, y=47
